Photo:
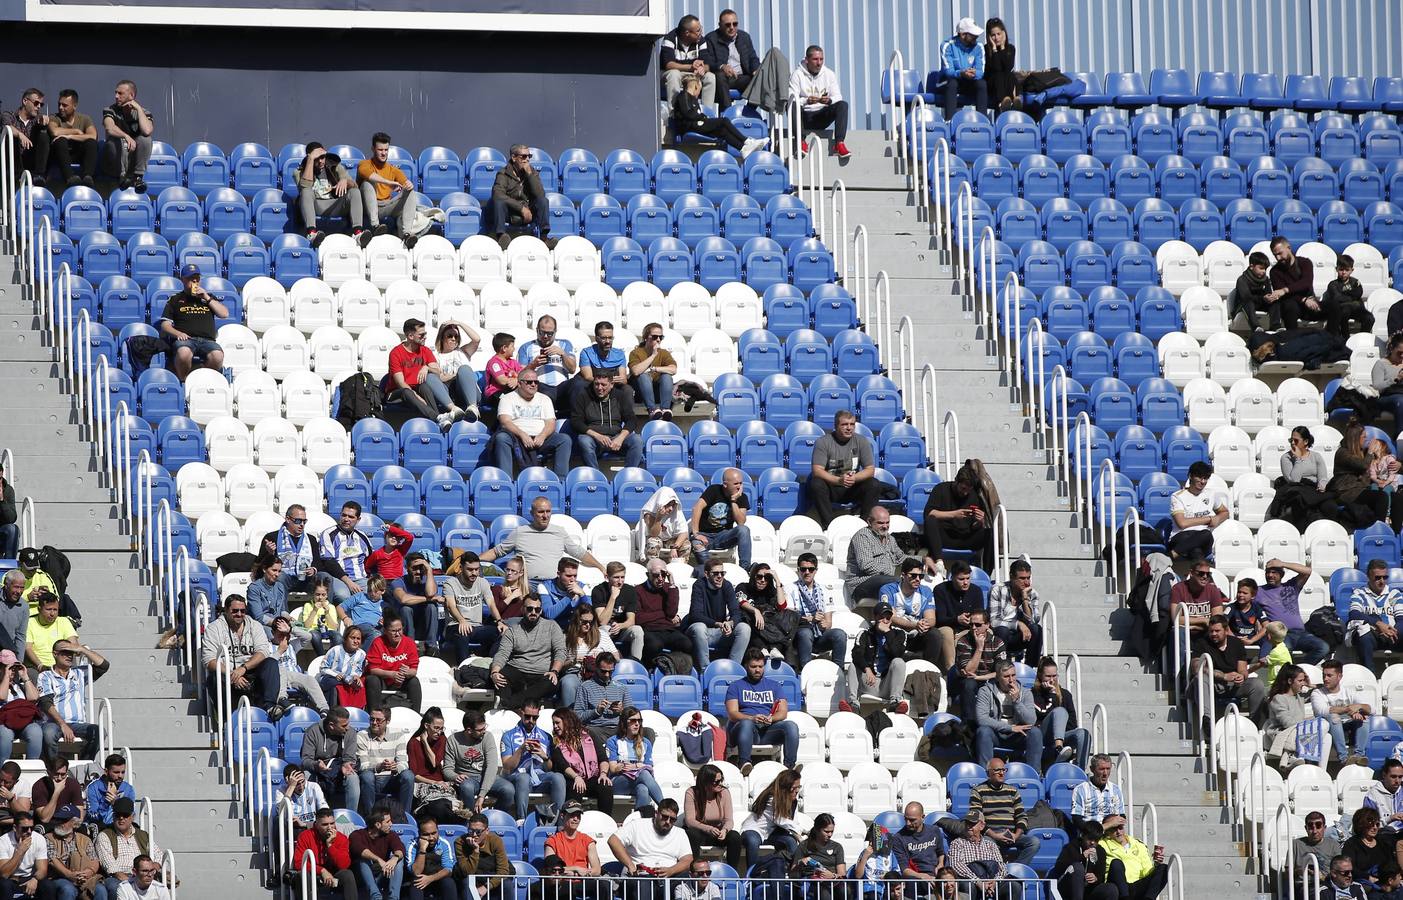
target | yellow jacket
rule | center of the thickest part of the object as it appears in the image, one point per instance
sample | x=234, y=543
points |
x=314, y=619
x=1133, y=854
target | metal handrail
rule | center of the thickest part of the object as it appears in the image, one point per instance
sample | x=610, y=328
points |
x=881, y=305
x=1100, y=729
x=896, y=124
x=940, y=195
x=7, y=465
x=1176, y=877
x=7, y=169
x=920, y=155
x=1072, y=666
x=28, y=523
x=168, y=874
x=1125, y=780
x=861, y=286
x=965, y=206
x=950, y=436
x=835, y=228
x=1130, y=537
x=928, y=414
x=103, y=720
x=1149, y=823
x=906, y=357
x=1048, y=615
x=1060, y=461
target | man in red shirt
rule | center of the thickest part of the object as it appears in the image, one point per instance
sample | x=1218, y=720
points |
x=414, y=378
x=332, y=851
x=392, y=664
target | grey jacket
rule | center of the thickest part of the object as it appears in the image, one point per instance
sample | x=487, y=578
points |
x=988, y=709
x=480, y=761
x=532, y=652
x=769, y=88
x=253, y=639
x=318, y=746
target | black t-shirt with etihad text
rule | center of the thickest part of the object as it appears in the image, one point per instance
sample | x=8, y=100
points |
x=191, y=315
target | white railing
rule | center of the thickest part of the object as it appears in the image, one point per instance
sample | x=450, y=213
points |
x=950, y=440
x=7, y=179
x=1149, y=824
x=862, y=287
x=940, y=196
x=896, y=109
x=917, y=173
x=966, y=254
x=168, y=874
x=928, y=420
x=1100, y=729
x=1125, y=780
x=28, y=524
x=1072, y=667
x=1174, y=890
x=1047, y=614
x=905, y=368
x=810, y=188
x=834, y=227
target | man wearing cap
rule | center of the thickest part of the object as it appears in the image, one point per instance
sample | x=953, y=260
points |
x=107, y=789
x=1280, y=600
x=879, y=661
x=962, y=58
x=73, y=864
x=35, y=578
x=188, y=321
x=575, y=848
x=1137, y=872
x=24, y=860
x=975, y=856
x=121, y=843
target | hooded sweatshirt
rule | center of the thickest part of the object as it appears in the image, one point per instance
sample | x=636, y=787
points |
x=676, y=524
x=604, y=415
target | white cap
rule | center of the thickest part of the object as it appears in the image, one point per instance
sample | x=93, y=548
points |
x=967, y=26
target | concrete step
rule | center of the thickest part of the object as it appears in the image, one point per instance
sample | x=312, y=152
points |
x=150, y=723
x=228, y=876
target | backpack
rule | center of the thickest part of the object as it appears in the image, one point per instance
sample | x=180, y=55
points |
x=674, y=662
x=876, y=723
x=1325, y=624
x=702, y=746
x=360, y=399
x=56, y=565
x=1044, y=79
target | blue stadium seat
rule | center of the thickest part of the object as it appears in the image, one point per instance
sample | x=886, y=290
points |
x=1040, y=266
x=1133, y=265
x=1086, y=179
x=130, y=212
x=441, y=173
x=1361, y=183
x=784, y=399
x=1157, y=312
x=545, y=166
x=1223, y=180
x=789, y=219
x=672, y=174
x=924, y=128
x=1135, y=357
x=463, y=216
x=1040, y=179
x=344, y=483
x=201, y=250
x=1388, y=89
x=626, y=174
x=763, y=263
x=1336, y=139
x=1316, y=182
x=482, y=165
x=720, y=175
x=916, y=486
x=163, y=169
x=375, y=444
x=1291, y=138
x=1382, y=138
x=122, y=302
x=1307, y=93
x=226, y=213
x=1018, y=221
x=1247, y=223
x=687, y=483
x=539, y=481
x=1087, y=267
x=1177, y=179
x=624, y=262
x=422, y=445
x=271, y=216
x=855, y=355
x=1200, y=223
x=44, y=205
x=1064, y=312
x=878, y=401
x=1199, y=137
x=1154, y=136
x=1161, y=405
x=902, y=448
x=810, y=264
x=83, y=212
x=664, y=446
x=159, y=395
x=580, y=174
x=1089, y=356
x=765, y=175
x=1063, y=134
x=1245, y=137
x=1339, y=225
x=737, y=400
x=602, y=218
x=564, y=217
x=761, y=353
x=1112, y=404
x=443, y=492
x=1383, y=223
x=1132, y=179
x=1095, y=95
x=994, y=178
x=588, y=493
x=632, y=489
x=1294, y=220
x=758, y=447
x=401, y=159
x=395, y=490
x=206, y=168
x=834, y=310
x=467, y=441
x=786, y=309
x=679, y=694
x=828, y=395
x=64, y=252
x=293, y=259
x=972, y=133
x=1063, y=223
x=254, y=169
x=149, y=256
x=712, y=446
x=1174, y=89
x=1109, y=222
x=1154, y=493
x=696, y=218
x=670, y=263
x=245, y=257
x=717, y=262
x=1018, y=135
x=1263, y=91
x=1128, y=90
x=493, y=493
x=1111, y=312
x=742, y=218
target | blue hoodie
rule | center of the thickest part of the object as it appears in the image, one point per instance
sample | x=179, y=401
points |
x=957, y=58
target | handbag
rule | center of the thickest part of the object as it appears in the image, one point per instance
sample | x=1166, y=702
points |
x=18, y=714
x=351, y=696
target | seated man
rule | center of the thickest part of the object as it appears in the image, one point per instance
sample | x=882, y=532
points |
x=377, y=854
x=1196, y=598
x=1314, y=844
x=718, y=519
x=420, y=602
x=1280, y=599
x=431, y=863
x=683, y=51
x=957, y=518
x=918, y=848
x=331, y=851
x=600, y=700
x=978, y=655
x=843, y=471
x=650, y=371
x=956, y=600
x=757, y=712
x=526, y=762
x=73, y=862
x=325, y=189
x=1004, y=712
x=1195, y=512
x=73, y=139
x=1346, y=709
x=386, y=191
x=879, y=663
x=30, y=127
x=603, y=426
x=962, y=64
x=1293, y=286
x=815, y=609
x=731, y=57
x=529, y=658
x=414, y=378
x=601, y=355
x=1231, y=681
x=653, y=847
x=304, y=566
x=46, y=627
x=616, y=608
x=392, y=666
x=975, y=856
x=874, y=557
x=1015, y=613
x=329, y=756
x=519, y=202
x=562, y=594
x=822, y=101
x=1097, y=797
x=1005, y=819
x=383, y=763
x=714, y=621
x=188, y=322
x=27, y=855
x=526, y=430
x=552, y=358
x=121, y=847
x=105, y=790
x=913, y=606
x=244, y=645
x=481, y=862
x=1374, y=610
x=657, y=614
x=301, y=796
x=129, y=128
x=472, y=760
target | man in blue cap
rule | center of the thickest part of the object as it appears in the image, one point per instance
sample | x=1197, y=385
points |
x=188, y=322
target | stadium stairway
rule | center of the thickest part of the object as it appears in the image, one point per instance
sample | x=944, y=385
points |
x=174, y=763
x=1140, y=719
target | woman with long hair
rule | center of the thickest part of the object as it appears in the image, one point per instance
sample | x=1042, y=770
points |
x=820, y=857
x=959, y=515
x=1056, y=710
x=631, y=760
x=1286, y=708
x=762, y=598
x=575, y=756
x=709, y=817
x=509, y=596
x=584, y=640
x=999, y=62
x=1351, y=482
x=771, y=818
x=433, y=794
x=454, y=344
x=1364, y=848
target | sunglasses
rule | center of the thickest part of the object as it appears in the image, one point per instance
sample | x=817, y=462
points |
x=526, y=381
x=635, y=720
x=762, y=576
x=298, y=521
x=544, y=334
x=808, y=568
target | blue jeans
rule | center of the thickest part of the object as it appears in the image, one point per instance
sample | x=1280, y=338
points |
x=33, y=735
x=374, y=785
x=464, y=387
x=590, y=450
x=745, y=734
x=555, y=453
x=705, y=639
x=1367, y=643
x=1022, y=850
x=1031, y=742
x=569, y=687
x=552, y=784
x=655, y=395
x=737, y=536
x=83, y=731
x=336, y=786
x=340, y=593
x=501, y=789
x=1054, y=728
x=9, y=541
x=63, y=889
x=1346, y=735
x=834, y=639
x=421, y=622
x=375, y=884
x=645, y=789
x=779, y=839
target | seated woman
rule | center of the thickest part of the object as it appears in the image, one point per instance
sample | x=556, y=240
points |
x=1352, y=485
x=456, y=342
x=708, y=815
x=631, y=760
x=774, y=623
x=583, y=642
x=688, y=115
x=1300, y=496
x=771, y=818
x=583, y=764
x=820, y=858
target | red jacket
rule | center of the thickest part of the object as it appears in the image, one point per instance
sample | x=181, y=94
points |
x=339, y=851
x=389, y=564
x=380, y=656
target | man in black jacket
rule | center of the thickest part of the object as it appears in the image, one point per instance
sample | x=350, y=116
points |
x=518, y=200
x=878, y=663
x=731, y=56
x=602, y=425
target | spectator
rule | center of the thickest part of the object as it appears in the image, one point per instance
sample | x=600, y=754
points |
x=122, y=848
x=1373, y=614
x=616, y=605
x=267, y=593
x=16, y=687
x=1386, y=796
x=331, y=851
x=502, y=369
x=762, y=598
x=31, y=130
x=1015, y=613
x=962, y=58
x=600, y=701
x=46, y=627
x=388, y=561
x=918, y=847
x=657, y=614
x=188, y=322
x=14, y=614
x=26, y=856
x=914, y=608
x=431, y=864
x=1317, y=843
x=651, y=369
x=1252, y=291
x=329, y=756
x=519, y=202
x=433, y=793
x=386, y=191
x=772, y=818
x=481, y=861
x=662, y=530
x=1351, y=483
x=1198, y=598
x=1000, y=59
x=1136, y=872
x=1280, y=600
x=526, y=753
x=815, y=88
x=472, y=612
x=383, y=764
x=129, y=127
x=67, y=686
x=1340, y=885
x=416, y=378
x=1279, y=654
x=819, y=856
x=714, y=621
x=552, y=358
x=377, y=855
x=874, y=557
x=1344, y=300
x=511, y=594
x=572, y=845
x=342, y=676
x=578, y=757
x=699, y=886
x=879, y=663
x=1005, y=819
x=296, y=687
x=815, y=610
x=684, y=51
x=1346, y=709
x=1293, y=285
x=653, y=846
x=1386, y=373
x=13, y=797
x=757, y=711
x=843, y=470
x=392, y=666
x=1286, y=708
x=73, y=139
x=718, y=519
x=731, y=57
x=541, y=545
x=473, y=764
x=300, y=553
x=243, y=644
x=103, y=791
x=584, y=642
x=324, y=189
x=302, y=797
x=56, y=789
x=9, y=527
x=959, y=515
x=602, y=354
x=319, y=617
x=1195, y=514
x=350, y=547
x=709, y=816
x=602, y=424
x=876, y=862
x=1097, y=797
x=1231, y=681
x=1004, y=711
x=1080, y=867
x=1246, y=618
x=975, y=856
x=419, y=602
x=688, y=115
x=1056, y=711
x=631, y=760
x=529, y=658
x=455, y=343
x=31, y=562
x=979, y=654
x=73, y=865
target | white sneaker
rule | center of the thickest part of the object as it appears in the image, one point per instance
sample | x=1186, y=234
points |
x=444, y=420
x=751, y=145
x=471, y=412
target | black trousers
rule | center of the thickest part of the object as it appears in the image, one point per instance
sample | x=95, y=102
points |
x=716, y=127
x=1073, y=886
x=523, y=686
x=835, y=114
x=655, y=641
x=376, y=688
x=1147, y=888
x=35, y=160
x=725, y=84
x=65, y=152
x=503, y=218
x=1196, y=544
x=822, y=497
x=981, y=541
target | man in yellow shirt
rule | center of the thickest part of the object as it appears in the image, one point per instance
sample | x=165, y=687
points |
x=35, y=578
x=1135, y=870
x=45, y=627
x=387, y=191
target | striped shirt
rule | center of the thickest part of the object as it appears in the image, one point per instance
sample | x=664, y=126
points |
x=305, y=803
x=345, y=665
x=1002, y=805
x=1004, y=609
x=349, y=551
x=371, y=751
x=127, y=850
x=69, y=693
x=1093, y=803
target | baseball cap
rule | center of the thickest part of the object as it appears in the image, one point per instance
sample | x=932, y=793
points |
x=967, y=26
x=29, y=558
x=8, y=658
x=882, y=609
x=189, y=270
x=973, y=817
x=66, y=812
x=572, y=808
